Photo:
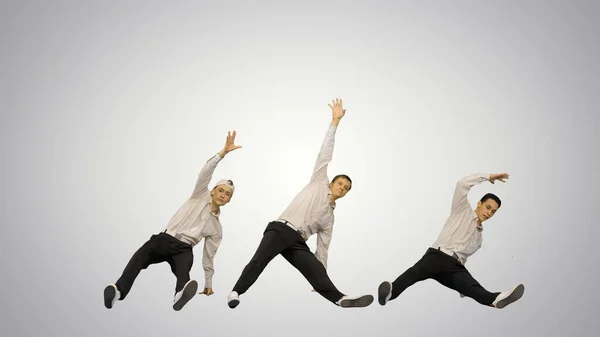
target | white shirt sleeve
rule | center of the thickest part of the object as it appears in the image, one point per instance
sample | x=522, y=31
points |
x=325, y=155
x=205, y=176
x=211, y=245
x=463, y=186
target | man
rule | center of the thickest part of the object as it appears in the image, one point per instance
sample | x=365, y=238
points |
x=310, y=212
x=196, y=219
x=460, y=238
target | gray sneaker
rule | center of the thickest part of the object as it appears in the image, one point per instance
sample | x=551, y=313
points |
x=385, y=292
x=355, y=302
x=509, y=297
x=185, y=295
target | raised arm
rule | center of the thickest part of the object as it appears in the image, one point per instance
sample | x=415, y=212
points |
x=326, y=153
x=206, y=172
x=463, y=186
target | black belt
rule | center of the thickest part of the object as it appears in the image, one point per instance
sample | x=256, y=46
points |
x=454, y=256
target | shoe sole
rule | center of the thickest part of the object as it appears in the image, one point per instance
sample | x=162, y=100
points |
x=189, y=291
x=233, y=303
x=514, y=296
x=385, y=292
x=109, y=295
x=360, y=302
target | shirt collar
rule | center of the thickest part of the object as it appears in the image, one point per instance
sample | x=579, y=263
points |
x=217, y=213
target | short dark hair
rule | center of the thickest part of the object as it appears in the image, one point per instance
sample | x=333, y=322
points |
x=342, y=176
x=493, y=197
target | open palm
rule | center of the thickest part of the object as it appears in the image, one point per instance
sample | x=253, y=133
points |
x=337, y=109
x=230, y=142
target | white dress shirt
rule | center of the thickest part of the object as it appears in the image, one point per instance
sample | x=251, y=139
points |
x=311, y=211
x=462, y=234
x=195, y=221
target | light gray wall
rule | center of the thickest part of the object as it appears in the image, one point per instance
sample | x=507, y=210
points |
x=110, y=108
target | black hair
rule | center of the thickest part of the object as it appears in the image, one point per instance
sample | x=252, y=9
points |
x=493, y=197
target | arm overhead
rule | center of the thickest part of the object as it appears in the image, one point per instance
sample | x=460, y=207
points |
x=326, y=152
x=463, y=186
x=206, y=172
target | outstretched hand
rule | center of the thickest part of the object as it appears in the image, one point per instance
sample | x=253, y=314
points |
x=337, y=110
x=498, y=176
x=229, y=144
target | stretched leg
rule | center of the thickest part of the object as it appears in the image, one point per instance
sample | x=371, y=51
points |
x=420, y=271
x=272, y=243
x=459, y=279
x=146, y=255
x=411, y=276
x=430, y=264
x=313, y=270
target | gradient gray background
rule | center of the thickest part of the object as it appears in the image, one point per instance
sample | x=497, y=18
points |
x=110, y=109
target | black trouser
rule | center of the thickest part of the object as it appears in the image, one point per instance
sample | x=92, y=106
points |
x=446, y=270
x=160, y=248
x=278, y=238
